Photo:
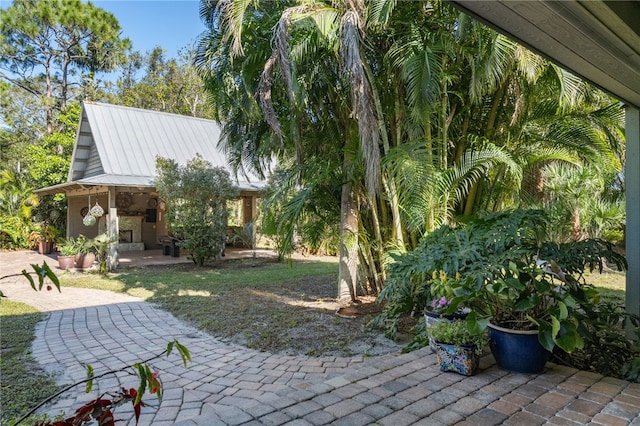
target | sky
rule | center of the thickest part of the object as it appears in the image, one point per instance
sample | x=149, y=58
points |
x=172, y=24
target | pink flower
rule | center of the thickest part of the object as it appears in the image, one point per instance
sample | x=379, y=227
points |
x=440, y=303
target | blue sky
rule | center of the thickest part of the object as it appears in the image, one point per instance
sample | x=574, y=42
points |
x=172, y=24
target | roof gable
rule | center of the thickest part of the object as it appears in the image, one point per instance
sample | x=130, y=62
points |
x=123, y=141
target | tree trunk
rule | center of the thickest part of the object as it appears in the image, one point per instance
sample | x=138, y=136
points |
x=49, y=96
x=389, y=184
x=576, y=227
x=348, y=268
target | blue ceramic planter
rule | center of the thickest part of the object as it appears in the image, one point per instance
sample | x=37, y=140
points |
x=516, y=350
x=431, y=318
x=459, y=359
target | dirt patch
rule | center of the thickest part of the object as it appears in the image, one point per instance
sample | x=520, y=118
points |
x=302, y=320
x=292, y=317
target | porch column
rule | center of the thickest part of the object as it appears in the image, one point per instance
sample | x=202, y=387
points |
x=248, y=209
x=113, y=230
x=248, y=217
x=632, y=184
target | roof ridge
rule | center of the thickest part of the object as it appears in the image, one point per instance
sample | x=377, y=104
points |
x=145, y=111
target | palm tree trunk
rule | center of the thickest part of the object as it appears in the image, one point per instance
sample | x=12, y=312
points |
x=389, y=184
x=471, y=198
x=378, y=235
x=575, y=224
x=348, y=267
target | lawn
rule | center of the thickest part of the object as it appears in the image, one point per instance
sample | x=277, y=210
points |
x=22, y=383
x=261, y=304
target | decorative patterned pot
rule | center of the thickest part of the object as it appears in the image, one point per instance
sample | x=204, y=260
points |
x=431, y=318
x=459, y=359
x=518, y=351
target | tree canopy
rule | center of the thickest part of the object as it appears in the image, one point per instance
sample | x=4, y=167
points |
x=48, y=47
x=408, y=115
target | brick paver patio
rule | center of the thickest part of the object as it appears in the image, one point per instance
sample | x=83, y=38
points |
x=232, y=385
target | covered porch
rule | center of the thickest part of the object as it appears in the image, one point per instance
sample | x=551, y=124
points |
x=113, y=171
x=139, y=213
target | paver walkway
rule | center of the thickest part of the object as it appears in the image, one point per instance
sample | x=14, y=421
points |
x=231, y=385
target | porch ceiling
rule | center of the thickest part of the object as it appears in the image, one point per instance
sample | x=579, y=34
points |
x=597, y=40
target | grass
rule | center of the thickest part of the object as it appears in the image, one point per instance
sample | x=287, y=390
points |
x=185, y=279
x=611, y=285
x=22, y=383
x=259, y=303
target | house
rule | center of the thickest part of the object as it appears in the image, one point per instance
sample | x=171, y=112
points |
x=114, y=166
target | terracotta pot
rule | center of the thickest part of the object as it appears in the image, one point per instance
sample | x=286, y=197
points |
x=65, y=262
x=45, y=247
x=85, y=261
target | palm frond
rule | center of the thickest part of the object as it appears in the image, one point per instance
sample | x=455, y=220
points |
x=232, y=16
x=362, y=98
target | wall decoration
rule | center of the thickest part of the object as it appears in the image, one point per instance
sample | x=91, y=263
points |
x=123, y=200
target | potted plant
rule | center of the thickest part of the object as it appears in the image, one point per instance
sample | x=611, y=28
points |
x=43, y=237
x=85, y=255
x=67, y=250
x=458, y=349
x=102, y=243
x=439, y=310
x=524, y=290
x=500, y=267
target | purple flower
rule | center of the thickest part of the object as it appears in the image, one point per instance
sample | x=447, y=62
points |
x=440, y=303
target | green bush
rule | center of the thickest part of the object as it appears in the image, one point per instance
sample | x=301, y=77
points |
x=491, y=265
x=13, y=232
x=196, y=200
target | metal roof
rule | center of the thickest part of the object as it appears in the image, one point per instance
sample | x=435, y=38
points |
x=118, y=146
x=597, y=40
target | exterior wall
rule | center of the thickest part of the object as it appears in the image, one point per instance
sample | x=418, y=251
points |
x=75, y=205
x=151, y=231
x=94, y=166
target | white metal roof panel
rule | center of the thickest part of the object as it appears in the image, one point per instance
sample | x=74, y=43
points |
x=128, y=140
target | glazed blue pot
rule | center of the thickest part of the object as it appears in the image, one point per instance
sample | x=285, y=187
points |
x=517, y=350
x=461, y=359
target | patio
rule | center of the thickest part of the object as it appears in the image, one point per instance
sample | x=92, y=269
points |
x=232, y=385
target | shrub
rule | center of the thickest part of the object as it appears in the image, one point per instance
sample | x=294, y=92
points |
x=491, y=263
x=196, y=197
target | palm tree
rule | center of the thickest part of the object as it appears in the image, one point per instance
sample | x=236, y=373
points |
x=305, y=85
x=417, y=113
